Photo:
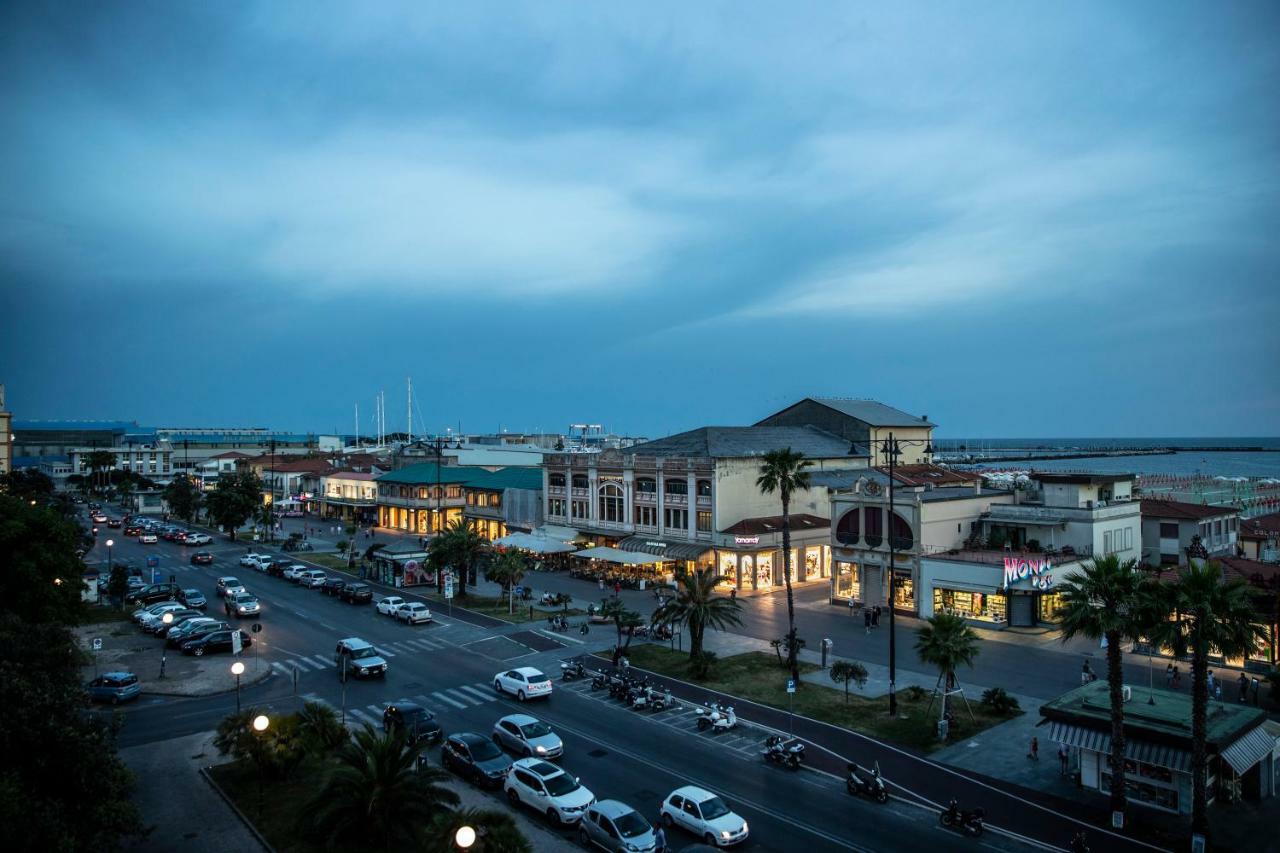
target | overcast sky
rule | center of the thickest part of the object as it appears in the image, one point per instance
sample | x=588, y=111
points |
x=1021, y=219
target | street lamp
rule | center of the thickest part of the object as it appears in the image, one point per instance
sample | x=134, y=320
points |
x=237, y=669
x=260, y=724
x=464, y=837
x=166, y=619
x=110, y=543
x=892, y=448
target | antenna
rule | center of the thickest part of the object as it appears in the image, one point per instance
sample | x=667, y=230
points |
x=357, y=425
x=411, y=410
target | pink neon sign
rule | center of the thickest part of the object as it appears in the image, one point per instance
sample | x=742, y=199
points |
x=1038, y=571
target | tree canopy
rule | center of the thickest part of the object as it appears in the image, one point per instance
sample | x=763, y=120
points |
x=235, y=500
x=183, y=497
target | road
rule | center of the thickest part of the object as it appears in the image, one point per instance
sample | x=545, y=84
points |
x=449, y=665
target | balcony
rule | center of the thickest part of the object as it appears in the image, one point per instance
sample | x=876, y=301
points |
x=557, y=491
x=704, y=501
x=675, y=500
x=997, y=556
x=647, y=498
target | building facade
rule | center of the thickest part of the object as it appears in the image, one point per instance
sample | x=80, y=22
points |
x=427, y=498
x=867, y=423
x=1259, y=538
x=153, y=461
x=1168, y=527
x=349, y=496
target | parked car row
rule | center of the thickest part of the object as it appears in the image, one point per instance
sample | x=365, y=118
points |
x=188, y=628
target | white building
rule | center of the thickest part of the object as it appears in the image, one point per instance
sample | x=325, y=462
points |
x=1168, y=526
x=153, y=461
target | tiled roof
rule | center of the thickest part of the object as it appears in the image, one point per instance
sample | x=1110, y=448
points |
x=1179, y=509
x=872, y=412
x=745, y=442
x=1260, y=526
x=926, y=474
x=1257, y=574
x=352, y=475
x=773, y=524
x=231, y=454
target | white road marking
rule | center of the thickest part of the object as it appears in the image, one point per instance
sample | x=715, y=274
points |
x=441, y=697
x=470, y=700
x=324, y=662
x=281, y=668
x=484, y=695
x=375, y=710
x=384, y=652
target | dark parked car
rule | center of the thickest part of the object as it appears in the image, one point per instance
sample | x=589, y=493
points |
x=333, y=586
x=192, y=630
x=276, y=569
x=356, y=593
x=476, y=758
x=215, y=641
x=202, y=558
x=160, y=629
x=193, y=598
x=151, y=593
x=417, y=722
x=114, y=687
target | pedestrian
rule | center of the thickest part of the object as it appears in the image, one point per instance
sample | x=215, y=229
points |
x=875, y=616
x=1211, y=683
x=617, y=588
x=601, y=584
x=1177, y=678
x=582, y=630
x=1168, y=675
x=1217, y=692
x=1243, y=684
x=852, y=605
x=660, y=840
x=866, y=621
x=1086, y=672
x=1253, y=685
x=1034, y=754
x=1063, y=758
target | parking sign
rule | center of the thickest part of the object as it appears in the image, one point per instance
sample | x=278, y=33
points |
x=97, y=644
x=236, y=643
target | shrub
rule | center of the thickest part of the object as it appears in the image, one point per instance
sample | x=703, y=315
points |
x=915, y=693
x=844, y=671
x=1000, y=702
x=701, y=664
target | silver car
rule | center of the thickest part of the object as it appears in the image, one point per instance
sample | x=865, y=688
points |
x=613, y=825
x=526, y=735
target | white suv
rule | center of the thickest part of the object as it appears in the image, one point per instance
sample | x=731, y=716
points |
x=546, y=788
x=412, y=612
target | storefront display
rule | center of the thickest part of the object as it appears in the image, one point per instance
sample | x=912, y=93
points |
x=728, y=571
x=764, y=571
x=979, y=606
x=812, y=564
x=847, y=582
x=904, y=593
x=1051, y=605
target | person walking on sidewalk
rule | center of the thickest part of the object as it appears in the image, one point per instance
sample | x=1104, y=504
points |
x=1034, y=754
x=866, y=621
x=1168, y=675
x=1064, y=758
x=875, y=616
x=1177, y=678
x=1243, y=684
x=852, y=605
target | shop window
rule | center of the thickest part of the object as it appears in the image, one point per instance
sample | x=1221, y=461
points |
x=611, y=502
x=1051, y=606
x=704, y=488
x=848, y=583
x=556, y=480
x=704, y=522
x=812, y=563
x=874, y=527
x=764, y=571
x=580, y=481
x=848, y=528
x=904, y=592
x=647, y=485
x=979, y=606
x=676, y=487
x=900, y=533
x=728, y=571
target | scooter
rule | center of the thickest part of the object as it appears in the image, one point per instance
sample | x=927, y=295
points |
x=570, y=671
x=728, y=720
x=640, y=699
x=867, y=783
x=660, y=701
x=780, y=751
x=968, y=822
x=709, y=713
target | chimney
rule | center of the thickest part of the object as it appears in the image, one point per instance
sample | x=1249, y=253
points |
x=977, y=486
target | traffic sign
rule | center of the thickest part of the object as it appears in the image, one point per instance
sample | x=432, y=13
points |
x=448, y=588
x=236, y=643
x=152, y=562
x=97, y=644
x=257, y=626
x=791, y=685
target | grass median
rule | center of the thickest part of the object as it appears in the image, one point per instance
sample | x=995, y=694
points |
x=761, y=678
x=282, y=803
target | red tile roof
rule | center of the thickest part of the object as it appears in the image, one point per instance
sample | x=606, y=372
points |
x=773, y=524
x=1257, y=574
x=230, y=454
x=928, y=474
x=1260, y=526
x=1178, y=509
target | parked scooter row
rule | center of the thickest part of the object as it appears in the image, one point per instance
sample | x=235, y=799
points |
x=717, y=717
x=788, y=753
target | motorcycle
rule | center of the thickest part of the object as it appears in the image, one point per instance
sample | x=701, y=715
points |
x=640, y=699
x=722, y=723
x=570, y=671
x=709, y=713
x=660, y=701
x=601, y=680
x=867, y=783
x=967, y=822
x=781, y=751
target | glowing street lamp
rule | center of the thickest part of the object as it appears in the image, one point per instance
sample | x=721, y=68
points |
x=110, y=544
x=465, y=837
x=166, y=619
x=260, y=724
x=237, y=669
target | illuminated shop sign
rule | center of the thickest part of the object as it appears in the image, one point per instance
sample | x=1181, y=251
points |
x=1037, y=572
x=746, y=540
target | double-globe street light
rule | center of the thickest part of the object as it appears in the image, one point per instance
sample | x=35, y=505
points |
x=892, y=448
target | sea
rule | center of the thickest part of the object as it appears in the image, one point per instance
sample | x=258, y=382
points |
x=1188, y=463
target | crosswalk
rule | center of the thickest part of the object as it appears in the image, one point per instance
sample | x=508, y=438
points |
x=456, y=698
x=315, y=663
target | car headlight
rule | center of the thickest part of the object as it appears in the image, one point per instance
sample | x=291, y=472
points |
x=364, y=670
x=744, y=826
x=726, y=834
x=541, y=749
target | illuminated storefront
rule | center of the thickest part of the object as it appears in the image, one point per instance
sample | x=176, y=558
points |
x=751, y=561
x=1014, y=592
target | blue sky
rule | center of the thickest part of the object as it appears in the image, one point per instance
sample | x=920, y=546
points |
x=1020, y=219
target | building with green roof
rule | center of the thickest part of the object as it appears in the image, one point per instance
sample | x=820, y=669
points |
x=425, y=498
x=1157, y=727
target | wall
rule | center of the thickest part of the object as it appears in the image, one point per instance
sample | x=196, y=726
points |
x=941, y=518
x=736, y=495
x=1108, y=519
x=912, y=454
x=522, y=508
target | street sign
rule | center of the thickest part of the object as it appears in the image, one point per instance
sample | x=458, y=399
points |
x=448, y=588
x=236, y=643
x=257, y=626
x=791, y=685
x=152, y=562
x=97, y=644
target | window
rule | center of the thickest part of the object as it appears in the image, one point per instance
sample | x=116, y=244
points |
x=1128, y=538
x=647, y=485
x=611, y=502
x=580, y=481
x=1108, y=542
x=704, y=521
x=677, y=518
x=900, y=532
x=676, y=487
x=848, y=528
x=423, y=493
x=555, y=480
x=645, y=516
x=874, y=523
x=704, y=488
x=555, y=506
x=581, y=509
x=1217, y=527
x=1168, y=530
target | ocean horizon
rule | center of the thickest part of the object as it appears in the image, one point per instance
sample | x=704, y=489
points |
x=1207, y=463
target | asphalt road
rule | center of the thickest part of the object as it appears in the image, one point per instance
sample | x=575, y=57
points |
x=449, y=666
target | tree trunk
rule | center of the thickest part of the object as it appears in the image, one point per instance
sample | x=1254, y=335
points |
x=792, y=662
x=1115, y=687
x=695, y=640
x=1199, y=727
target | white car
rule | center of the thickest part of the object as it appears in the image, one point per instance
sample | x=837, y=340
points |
x=260, y=562
x=197, y=539
x=294, y=572
x=249, y=560
x=546, y=788
x=525, y=682
x=529, y=736
x=390, y=604
x=158, y=607
x=147, y=539
x=154, y=615
x=412, y=612
x=705, y=815
x=312, y=578
x=229, y=586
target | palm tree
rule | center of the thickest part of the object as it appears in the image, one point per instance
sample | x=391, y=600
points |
x=496, y=830
x=696, y=606
x=100, y=460
x=623, y=619
x=458, y=547
x=783, y=472
x=1208, y=614
x=321, y=727
x=946, y=642
x=508, y=569
x=1104, y=600
x=378, y=795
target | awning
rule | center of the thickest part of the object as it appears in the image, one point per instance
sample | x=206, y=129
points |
x=613, y=555
x=558, y=533
x=1080, y=737
x=664, y=549
x=536, y=544
x=1249, y=750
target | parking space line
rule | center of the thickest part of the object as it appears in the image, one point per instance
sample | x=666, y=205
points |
x=442, y=698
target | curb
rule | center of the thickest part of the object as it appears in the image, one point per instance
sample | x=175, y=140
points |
x=253, y=830
x=266, y=673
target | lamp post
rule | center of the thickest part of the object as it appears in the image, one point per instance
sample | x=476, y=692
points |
x=110, y=564
x=465, y=837
x=166, y=619
x=892, y=448
x=260, y=724
x=237, y=669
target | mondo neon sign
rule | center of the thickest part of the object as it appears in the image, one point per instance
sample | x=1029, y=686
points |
x=1037, y=572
